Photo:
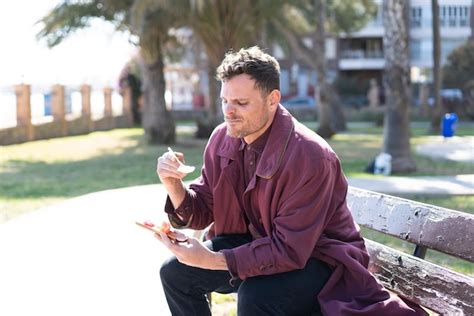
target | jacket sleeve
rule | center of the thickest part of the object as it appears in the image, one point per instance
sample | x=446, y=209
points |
x=304, y=208
x=196, y=208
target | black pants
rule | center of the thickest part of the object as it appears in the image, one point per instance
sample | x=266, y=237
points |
x=289, y=293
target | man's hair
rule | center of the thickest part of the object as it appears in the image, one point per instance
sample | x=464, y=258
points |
x=261, y=67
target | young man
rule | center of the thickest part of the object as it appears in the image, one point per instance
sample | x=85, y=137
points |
x=275, y=194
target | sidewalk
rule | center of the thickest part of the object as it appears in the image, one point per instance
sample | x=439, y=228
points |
x=455, y=148
x=426, y=186
x=85, y=256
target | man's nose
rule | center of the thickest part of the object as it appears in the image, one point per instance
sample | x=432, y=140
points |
x=228, y=108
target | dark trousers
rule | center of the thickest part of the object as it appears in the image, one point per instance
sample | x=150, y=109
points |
x=288, y=293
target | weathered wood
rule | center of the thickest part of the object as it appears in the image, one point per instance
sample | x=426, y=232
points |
x=437, y=228
x=438, y=288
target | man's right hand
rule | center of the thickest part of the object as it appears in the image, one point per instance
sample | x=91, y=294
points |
x=167, y=170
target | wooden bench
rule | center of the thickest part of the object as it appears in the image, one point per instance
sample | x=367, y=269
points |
x=427, y=227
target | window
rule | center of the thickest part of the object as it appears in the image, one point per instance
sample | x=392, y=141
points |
x=443, y=16
x=416, y=17
x=415, y=50
x=464, y=16
x=454, y=16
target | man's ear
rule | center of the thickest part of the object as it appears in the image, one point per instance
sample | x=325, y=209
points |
x=274, y=98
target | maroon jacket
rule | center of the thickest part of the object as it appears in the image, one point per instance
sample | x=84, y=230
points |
x=300, y=194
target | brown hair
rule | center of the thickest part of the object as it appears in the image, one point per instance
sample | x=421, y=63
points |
x=261, y=67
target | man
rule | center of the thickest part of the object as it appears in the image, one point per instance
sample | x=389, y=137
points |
x=281, y=234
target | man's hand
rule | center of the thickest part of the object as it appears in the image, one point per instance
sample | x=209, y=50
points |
x=194, y=253
x=167, y=168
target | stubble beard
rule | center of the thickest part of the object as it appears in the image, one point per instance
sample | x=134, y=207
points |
x=247, y=129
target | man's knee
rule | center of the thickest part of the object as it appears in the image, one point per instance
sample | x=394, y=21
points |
x=170, y=270
x=255, y=299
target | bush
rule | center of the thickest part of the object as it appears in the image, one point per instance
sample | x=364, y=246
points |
x=459, y=68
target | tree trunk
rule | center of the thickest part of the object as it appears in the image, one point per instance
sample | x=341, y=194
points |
x=325, y=129
x=397, y=85
x=338, y=118
x=471, y=38
x=157, y=119
x=437, y=111
x=207, y=124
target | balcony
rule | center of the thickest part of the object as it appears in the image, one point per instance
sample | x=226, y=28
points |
x=360, y=60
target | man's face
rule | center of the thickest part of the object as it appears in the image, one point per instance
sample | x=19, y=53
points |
x=247, y=112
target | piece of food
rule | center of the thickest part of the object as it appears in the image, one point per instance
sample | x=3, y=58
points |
x=182, y=167
x=186, y=169
x=165, y=227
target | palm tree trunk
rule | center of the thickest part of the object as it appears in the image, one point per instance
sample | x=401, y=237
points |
x=325, y=129
x=338, y=118
x=472, y=21
x=437, y=112
x=157, y=119
x=397, y=85
x=207, y=124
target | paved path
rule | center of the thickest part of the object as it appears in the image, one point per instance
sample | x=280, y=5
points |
x=84, y=256
x=454, y=148
x=426, y=186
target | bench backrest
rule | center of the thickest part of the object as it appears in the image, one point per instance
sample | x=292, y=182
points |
x=427, y=227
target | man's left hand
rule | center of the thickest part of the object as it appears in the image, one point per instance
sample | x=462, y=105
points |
x=194, y=253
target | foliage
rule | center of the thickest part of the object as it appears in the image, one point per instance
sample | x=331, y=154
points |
x=349, y=16
x=68, y=17
x=219, y=25
x=459, y=68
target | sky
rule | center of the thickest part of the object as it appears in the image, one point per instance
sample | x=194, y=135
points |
x=95, y=55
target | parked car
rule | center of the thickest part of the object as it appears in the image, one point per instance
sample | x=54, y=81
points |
x=355, y=101
x=299, y=102
x=448, y=96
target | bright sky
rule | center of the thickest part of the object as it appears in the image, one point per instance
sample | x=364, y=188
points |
x=94, y=55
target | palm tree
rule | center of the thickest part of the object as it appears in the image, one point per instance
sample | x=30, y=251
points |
x=152, y=20
x=397, y=85
x=222, y=26
x=68, y=17
x=321, y=18
x=437, y=108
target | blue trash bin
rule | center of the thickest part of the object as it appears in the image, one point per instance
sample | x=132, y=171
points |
x=449, y=124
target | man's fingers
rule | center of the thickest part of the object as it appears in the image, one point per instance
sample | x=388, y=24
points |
x=180, y=156
x=164, y=239
x=167, y=168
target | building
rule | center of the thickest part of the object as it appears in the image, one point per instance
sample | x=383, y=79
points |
x=361, y=53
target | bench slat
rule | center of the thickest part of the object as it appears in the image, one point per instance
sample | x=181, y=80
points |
x=438, y=288
x=437, y=228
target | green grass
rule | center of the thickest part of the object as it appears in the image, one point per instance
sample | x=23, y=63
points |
x=357, y=147
x=39, y=173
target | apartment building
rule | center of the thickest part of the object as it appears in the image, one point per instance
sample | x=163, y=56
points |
x=361, y=54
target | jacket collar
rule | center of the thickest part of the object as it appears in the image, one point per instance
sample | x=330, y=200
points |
x=274, y=150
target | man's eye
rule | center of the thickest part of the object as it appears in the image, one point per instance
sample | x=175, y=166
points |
x=242, y=103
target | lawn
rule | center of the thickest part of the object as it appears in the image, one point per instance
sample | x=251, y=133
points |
x=39, y=173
